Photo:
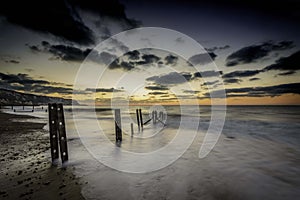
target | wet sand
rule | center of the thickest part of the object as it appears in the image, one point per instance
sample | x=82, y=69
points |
x=26, y=171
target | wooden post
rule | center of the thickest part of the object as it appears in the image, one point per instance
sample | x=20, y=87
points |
x=118, y=126
x=138, y=118
x=62, y=133
x=12, y=107
x=155, y=116
x=131, y=126
x=53, y=130
x=141, y=119
x=23, y=107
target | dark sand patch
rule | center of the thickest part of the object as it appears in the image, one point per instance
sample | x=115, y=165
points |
x=26, y=171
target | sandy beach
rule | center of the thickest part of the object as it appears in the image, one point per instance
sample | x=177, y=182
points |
x=26, y=171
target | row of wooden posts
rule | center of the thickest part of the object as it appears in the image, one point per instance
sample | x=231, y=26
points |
x=139, y=118
x=58, y=138
x=23, y=108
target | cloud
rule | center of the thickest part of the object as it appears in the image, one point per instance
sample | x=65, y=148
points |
x=126, y=66
x=202, y=59
x=157, y=93
x=208, y=83
x=112, y=9
x=34, y=48
x=272, y=91
x=254, y=53
x=232, y=80
x=171, y=60
x=286, y=73
x=23, y=82
x=216, y=48
x=63, y=19
x=106, y=90
x=191, y=91
x=206, y=74
x=47, y=17
x=156, y=87
x=290, y=63
x=172, y=78
x=254, y=79
x=66, y=53
x=12, y=61
x=135, y=60
x=150, y=58
x=20, y=79
x=133, y=55
x=239, y=74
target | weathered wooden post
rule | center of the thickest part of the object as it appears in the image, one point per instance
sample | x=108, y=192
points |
x=153, y=116
x=57, y=132
x=53, y=130
x=131, y=126
x=138, y=118
x=141, y=119
x=118, y=126
x=62, y=133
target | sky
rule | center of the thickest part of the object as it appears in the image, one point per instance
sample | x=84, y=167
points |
x=254, y=46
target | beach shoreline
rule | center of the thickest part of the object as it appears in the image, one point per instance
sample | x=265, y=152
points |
x=26, y=170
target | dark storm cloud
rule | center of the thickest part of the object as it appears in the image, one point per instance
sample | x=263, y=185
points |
x=206, y=74
x=106, y=8
x=246, y=73
x=171, y=60
x=26, y=83
x=203, y=58
x=291, y=63
x=269, y=91
x=172, y=78
x=106, y=90
x=254, y=53
x=52, y=17
x=156, y=87
x=62, y=18
x=232, y=80
x=67, y=53
x=74, y=54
